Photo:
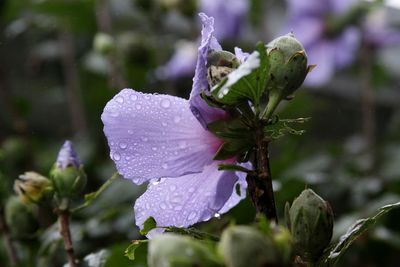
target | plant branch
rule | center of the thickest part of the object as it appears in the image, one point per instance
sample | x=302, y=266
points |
x=12, y=252
x=260, y=184
x=63, y=220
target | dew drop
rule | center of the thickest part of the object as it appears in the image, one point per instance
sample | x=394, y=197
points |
x=191, y=190
x=114, y=113
x=120, y=99
x=147, y=97
x=130, y=131
x=154, y=148
x=225, y=91
x=145, y=139
x=138, y=106
x=164, y=166
x=165, y=103
x=192, y=215
x=123, y=145
x=156, y=182
x=133, y=97
x=177, y=208
x=217, y=215
x=176, y=199
x=177, y=119
x=182, y=144
x=163, y=206
x=116, y=156
x=172, y=187
x=164, y=124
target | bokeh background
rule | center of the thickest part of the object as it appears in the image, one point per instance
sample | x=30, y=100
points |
x=62, y=60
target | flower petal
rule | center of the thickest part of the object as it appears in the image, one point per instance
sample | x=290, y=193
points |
x=203, y=112
x=154, y=136
x=322, y=54
x=187, y=200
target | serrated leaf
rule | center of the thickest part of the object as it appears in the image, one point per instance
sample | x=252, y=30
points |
x=148, y=225
x=281, y=127
x=130, y=250
x=248, y=82
x=333, y=255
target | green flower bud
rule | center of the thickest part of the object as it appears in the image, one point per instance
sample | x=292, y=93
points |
x=288, y=69
x=310, y=220
x=103, y=43
x=171, y=250
x=243, y=246
x=32, y=187
x=20, y=218
x=219, y=65
x=67, y=175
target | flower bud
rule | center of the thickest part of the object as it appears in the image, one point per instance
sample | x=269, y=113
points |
x=171, y=250
x=67, y=175
x=310, y=220
x=288, y=69
x=243, y=246
x=32, y=187
x=103, y=43
x=219, y=65
x=20, y=218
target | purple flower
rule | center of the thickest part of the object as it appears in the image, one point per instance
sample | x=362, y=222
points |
x=67, y=156
x=157, y=138
x=229, y=16
x=378, y=29
x=308, y=20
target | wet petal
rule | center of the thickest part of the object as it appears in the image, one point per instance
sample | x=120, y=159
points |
x=187, y=200
x=154, y=136
x=203, y=112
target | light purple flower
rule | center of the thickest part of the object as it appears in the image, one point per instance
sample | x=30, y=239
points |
x=67, y=156
x=378, y=29
x=229, y=17
x=307, y=19
x=157, y=138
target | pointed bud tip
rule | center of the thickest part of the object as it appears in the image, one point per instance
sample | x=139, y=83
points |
x=67, y=156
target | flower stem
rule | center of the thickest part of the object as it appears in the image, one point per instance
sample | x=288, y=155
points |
x=63, y=220
x=12, y=252
x=260, y=184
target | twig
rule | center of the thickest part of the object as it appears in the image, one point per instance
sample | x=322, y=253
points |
x=260, y=185
x=12, y=252
x=63, y=220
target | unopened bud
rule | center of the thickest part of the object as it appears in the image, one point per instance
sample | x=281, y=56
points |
x=288, y=69
x=310, y=220
x=67, y=175
x=20, y=218
x=243, y=246
x=219, y=65
x=32, y=187
x=171, y=250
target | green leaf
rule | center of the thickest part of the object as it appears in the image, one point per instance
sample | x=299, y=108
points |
x=248, y=82
x=130, y=250
x=281, y=127
x=89, y=198
x=230, y=167
x=333, y=255
x=148, y=225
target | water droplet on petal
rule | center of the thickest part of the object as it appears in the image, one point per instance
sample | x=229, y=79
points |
x=172, y=187
x=156, y=182
x=114, y=113
x=133, y=97
x=182, y=144
x=177, y=119
x=123, y=145
x=138, y=106
x=163, y=206
x=217, y=215
x=130, y=131
x=165, y=103
x=191, y=190
x=145, y=139
x=176, y=199
x=116, y=156
x=147, y=97
x=120, y=99
x=192, y=215
x=154, y=148
x=164, y=124
x=164, y=166
x=177, y=208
